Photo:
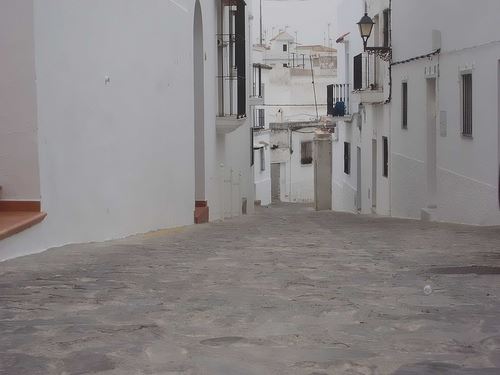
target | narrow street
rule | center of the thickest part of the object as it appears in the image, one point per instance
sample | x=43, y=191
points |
x=285, y=291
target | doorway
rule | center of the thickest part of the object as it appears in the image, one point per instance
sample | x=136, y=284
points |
x=199, y=105
x=358, y=194
x=431, y=160
x=374, y=174
x=201, y=214
x=275, y=182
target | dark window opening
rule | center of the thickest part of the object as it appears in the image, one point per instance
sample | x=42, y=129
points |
x=467, y=105
x=387, y=28
x=404, y=108
x=347, y=158
x=329, y=100
x=386, y=156
x=240, y=57
x=285, y=65
x=231, y=60
x=306, y=156
x=285, y=47
x=252, y=154
x=260, y=118
x=358, y=72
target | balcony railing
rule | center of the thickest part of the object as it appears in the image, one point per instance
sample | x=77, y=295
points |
x=259, y=118
x=339, y=99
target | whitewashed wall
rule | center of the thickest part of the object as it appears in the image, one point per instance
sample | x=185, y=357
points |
x=262, y=138
x=297, y=180
x=467, y=169
x=368, y=124
x=117, y=158
x=19, y=174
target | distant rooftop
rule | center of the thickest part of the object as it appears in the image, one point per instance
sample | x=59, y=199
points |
x=316, y=48
x=283, y=35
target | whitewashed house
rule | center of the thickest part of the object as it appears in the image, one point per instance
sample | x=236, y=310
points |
x=109, y=124
x=445, y=146
x=261, y=132
x=422, y=138
x=362, y=138
x=286, y=119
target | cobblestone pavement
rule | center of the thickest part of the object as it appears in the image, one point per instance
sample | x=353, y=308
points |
x=286, y=291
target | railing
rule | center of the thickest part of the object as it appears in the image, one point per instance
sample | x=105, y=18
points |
x=339, y=99
x=259, y=118
x=257, y=91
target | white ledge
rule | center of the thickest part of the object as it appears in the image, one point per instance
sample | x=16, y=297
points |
x=228, y=124
x=371, y=96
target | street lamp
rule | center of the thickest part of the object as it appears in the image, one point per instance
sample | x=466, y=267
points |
x=365, y=29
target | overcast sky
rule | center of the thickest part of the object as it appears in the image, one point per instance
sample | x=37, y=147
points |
x=309, y=18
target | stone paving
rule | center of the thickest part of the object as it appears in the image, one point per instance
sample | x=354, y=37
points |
x=285, y=291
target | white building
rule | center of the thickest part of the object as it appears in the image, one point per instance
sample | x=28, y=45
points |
x=292, y=168
x=108, y=120
x=445, y=147
x=422, y=137
x=291, y=107
x=361, y=146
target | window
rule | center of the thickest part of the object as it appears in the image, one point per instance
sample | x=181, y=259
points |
x=306, y=157
x=386, y=156
x=404, y=105
x=285, y=65
x=285, y=47
x=347, y=158
x=387, y=28
x=232, y=61
x=260, y=119
x=358, y=72
x=262, y=159
x=252, y=153
x=329, y=100
x=467, y=105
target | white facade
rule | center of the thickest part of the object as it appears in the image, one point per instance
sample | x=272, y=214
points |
x=436, y=171
x=262, y=166
x=296, y=179
x=363, y=186
x=105, y=135
x=290, y=101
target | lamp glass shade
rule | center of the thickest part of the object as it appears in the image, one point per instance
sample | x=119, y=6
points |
x=365, y=26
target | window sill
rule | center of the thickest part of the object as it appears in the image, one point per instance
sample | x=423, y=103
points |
x=16, y=217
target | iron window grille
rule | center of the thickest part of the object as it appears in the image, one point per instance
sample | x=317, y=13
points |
x=404, y=104
x=386, y=156
x=232, y=59
x=467, y=105
x=306, y=156
x=347, y=158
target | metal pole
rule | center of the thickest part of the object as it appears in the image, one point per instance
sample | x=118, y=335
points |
x=231, y=59
x=261, y=40
x=314, y=88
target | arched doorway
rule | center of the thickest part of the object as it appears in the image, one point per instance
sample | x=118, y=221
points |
x=201, y=207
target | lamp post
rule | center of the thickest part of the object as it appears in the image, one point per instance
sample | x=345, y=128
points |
x=365, y=29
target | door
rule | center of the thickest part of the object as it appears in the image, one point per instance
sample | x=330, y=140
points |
x=431, y=162
x=275, y=182
x=374, y=174
x=358, y=195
